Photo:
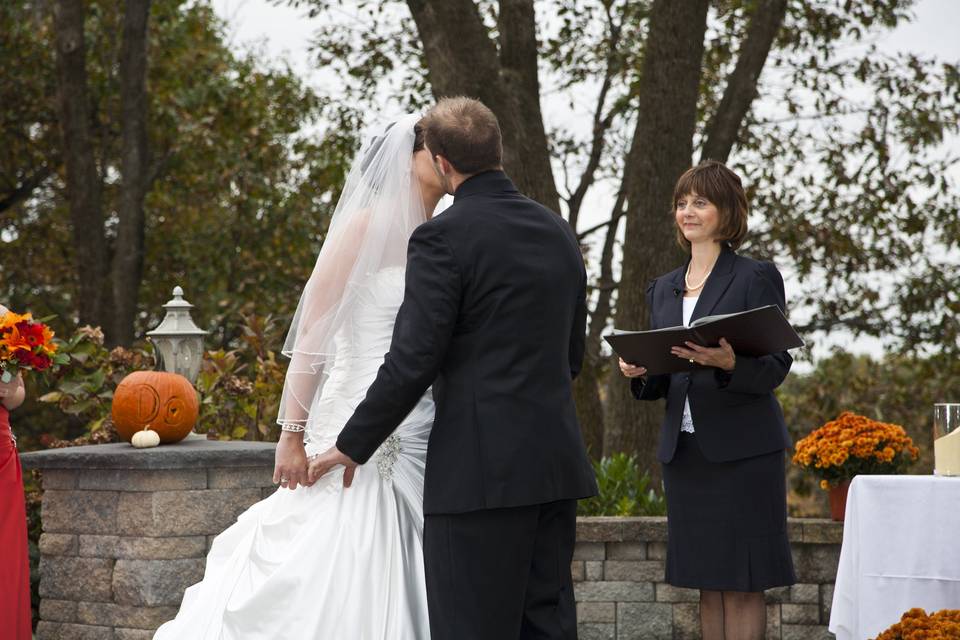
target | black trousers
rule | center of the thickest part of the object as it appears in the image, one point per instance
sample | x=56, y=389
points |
x=502, y=574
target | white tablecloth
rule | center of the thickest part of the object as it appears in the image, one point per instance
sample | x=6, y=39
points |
x=901, y=549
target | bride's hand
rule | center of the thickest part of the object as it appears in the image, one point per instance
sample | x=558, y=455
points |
x=290, y=466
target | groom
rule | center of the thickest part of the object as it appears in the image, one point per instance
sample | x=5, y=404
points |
x=493, y=317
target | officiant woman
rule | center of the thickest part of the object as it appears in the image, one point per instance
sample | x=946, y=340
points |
x=723, y=438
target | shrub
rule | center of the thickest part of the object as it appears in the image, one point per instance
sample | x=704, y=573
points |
x=240, y=389
x=624, y=490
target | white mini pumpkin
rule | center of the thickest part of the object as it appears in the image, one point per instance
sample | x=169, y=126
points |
x=145, y=439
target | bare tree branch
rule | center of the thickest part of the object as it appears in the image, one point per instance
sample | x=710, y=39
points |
x=605, y=283
x=741, y=89
x=586, y=232
x=23, y=190
x=613, y=286
x=601, y=123
x=505, y=81
x=587, y=385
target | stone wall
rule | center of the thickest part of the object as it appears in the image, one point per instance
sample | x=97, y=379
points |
x=125, y=531
x=618, y=571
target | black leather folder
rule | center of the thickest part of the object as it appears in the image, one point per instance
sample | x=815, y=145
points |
x=757, y=332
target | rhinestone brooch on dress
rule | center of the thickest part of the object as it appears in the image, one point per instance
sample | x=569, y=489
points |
x=387, y=455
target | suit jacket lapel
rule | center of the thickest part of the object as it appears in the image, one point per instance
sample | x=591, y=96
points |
x=717, y=283
x=673, y=309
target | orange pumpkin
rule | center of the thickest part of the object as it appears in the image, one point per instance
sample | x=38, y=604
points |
x=164, y=402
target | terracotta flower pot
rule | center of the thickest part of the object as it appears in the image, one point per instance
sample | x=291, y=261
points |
x=838, y=500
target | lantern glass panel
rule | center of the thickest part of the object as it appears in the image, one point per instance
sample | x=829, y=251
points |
x=180, y=354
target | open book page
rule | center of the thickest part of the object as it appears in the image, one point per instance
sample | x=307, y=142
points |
x=620, y=332
x=699, y=322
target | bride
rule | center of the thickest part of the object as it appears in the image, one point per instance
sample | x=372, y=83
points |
x=297, y=564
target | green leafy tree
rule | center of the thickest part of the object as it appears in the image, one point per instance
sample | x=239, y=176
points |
x=841, y=146
x=241, y=179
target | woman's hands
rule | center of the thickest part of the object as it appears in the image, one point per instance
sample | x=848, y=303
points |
x=721, y=357
x=290, y=462
x=7, y=389
x=632, y=371
x=12, y=393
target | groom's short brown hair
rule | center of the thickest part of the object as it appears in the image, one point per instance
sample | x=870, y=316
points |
x=465, y=132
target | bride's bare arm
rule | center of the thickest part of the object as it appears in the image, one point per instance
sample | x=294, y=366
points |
x=323, y=291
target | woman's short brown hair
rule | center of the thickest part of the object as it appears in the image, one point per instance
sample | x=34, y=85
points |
x=465, y=132
x=717, y=183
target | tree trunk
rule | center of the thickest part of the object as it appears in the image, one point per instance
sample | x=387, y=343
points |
x=661, y=150
x=527, y=156
x=128, y=257
x=588, y=384
x=462, y=59
x=586, y=395
x=741, y=87
x=83, y=180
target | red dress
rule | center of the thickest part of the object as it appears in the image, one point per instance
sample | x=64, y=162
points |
x=14, y=562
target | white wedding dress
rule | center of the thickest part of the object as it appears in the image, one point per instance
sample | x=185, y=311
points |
x=324, y=562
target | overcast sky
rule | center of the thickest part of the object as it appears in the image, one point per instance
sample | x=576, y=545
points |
x=286, y=32
x=282, y=33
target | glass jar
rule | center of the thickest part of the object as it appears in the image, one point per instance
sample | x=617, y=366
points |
x=946, y=439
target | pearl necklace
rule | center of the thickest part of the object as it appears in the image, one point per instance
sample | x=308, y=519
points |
x=686, y=278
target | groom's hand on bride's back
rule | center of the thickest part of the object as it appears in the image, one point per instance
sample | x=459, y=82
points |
x=322, y=464
x=290, y=461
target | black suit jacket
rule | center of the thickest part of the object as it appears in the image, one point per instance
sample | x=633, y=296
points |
x=735, y=415
x=494, y=318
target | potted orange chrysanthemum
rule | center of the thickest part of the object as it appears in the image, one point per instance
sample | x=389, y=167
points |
x=853, y=445
x=917, y=625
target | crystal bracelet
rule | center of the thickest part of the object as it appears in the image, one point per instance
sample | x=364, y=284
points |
x=293, y=428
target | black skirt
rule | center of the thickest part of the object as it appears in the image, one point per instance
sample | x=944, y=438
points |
x=726, y=521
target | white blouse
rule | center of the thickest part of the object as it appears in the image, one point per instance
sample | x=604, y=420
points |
x=686, y=423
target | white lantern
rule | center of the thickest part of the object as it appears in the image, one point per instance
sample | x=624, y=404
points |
x=177, y=341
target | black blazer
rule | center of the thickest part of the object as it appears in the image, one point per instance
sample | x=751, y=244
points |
x=735, y=415
x=494, y=318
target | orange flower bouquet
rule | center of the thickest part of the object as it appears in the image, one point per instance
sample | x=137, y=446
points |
x=917, y=625
x=25, y=344
x=853, y=445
